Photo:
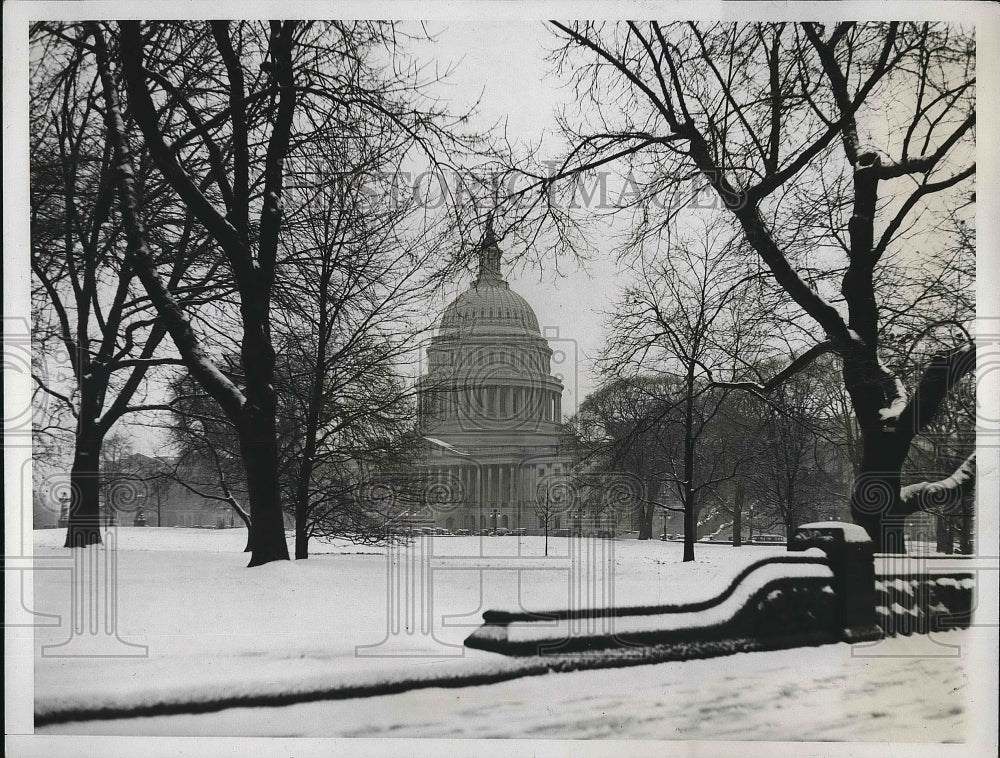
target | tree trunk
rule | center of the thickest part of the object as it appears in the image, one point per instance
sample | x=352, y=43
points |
x=965, y=525
x=248, y=548
x=83, y=527
x=301, y=529
x=259, y=451
x=943, y=534
x=875, y=500
x=314, y=404
x=690, y=527
x=303, y=478
x=791, y=520
x=252, y=411
x=738, y=500
x=258, y=432
x=244, y=517
x=646, y=521
x=647, y=511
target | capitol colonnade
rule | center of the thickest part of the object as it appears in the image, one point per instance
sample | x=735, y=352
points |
x=468, y=494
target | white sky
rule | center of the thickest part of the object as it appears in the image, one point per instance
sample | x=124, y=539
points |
x=503, y=65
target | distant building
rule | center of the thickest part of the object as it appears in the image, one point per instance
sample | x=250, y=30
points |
x=154, y=486
x=491, y=410
x=141, y=484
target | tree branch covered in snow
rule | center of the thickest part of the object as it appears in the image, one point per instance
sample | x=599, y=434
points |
x=942, y=373
x=942, y=494
x=169, y=310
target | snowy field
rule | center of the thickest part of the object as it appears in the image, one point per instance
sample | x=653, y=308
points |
x=213, y=627
x=817, y=695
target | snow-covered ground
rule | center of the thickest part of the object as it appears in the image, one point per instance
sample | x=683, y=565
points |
x=214, y=628
x=817, y=694
x=211, y=624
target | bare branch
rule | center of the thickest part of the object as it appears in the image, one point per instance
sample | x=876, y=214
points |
x=797, y=365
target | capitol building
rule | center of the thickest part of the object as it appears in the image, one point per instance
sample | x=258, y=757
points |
x=490, y=410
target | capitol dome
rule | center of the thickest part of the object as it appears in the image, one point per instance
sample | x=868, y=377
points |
x=489, y=304
x=490, y=406
x=488, y=341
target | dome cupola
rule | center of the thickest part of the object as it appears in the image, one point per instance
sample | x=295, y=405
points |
x=489, y=304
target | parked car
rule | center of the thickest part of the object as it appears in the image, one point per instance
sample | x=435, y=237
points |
x=501, y=532
x=561, y=533
x=462, y=532
x=519, y=532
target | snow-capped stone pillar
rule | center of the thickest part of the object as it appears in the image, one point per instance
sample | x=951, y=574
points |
x=850, y=554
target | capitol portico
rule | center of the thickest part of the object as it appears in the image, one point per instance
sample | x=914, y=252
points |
x=490, y=408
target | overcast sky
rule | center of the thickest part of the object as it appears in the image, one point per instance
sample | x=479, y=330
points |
x=504, y=66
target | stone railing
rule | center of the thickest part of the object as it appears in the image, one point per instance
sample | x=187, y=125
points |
x=826, y=589
x=779, y=602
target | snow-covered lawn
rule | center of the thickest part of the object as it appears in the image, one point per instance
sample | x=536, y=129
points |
x=817, y=694
x=215, y=628
x=211, y=624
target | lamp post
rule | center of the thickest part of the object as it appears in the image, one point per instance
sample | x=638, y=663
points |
x=64, y=502
x=140, y=516
x=495, y=515
x=663, y=537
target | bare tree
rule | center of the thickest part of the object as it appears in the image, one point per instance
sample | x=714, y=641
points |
x=85, y=296
x=689, y=312
x=781, y=122
x=352, y=292
x=615, y=430
x=121, y=479
x=253, y=95
x=794, y=470
x=209, y=463
x=546, y=510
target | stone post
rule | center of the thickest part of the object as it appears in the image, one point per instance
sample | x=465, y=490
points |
x=851, y=556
